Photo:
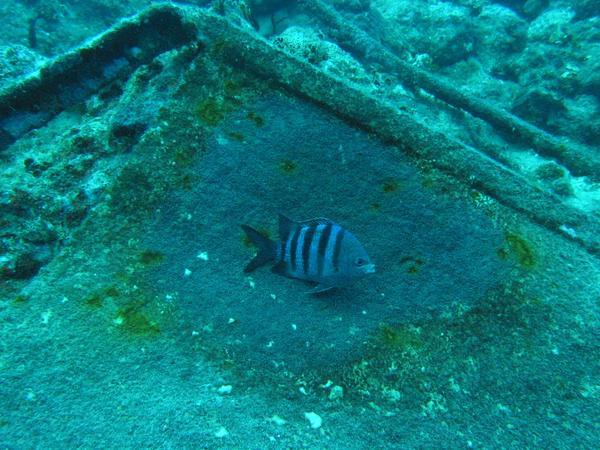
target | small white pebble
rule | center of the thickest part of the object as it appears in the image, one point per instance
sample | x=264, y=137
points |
x=294, y=327
x=327, y=385
x=221, y=432
x=187, y=272
x=203, y=256
x=302, y=390
x=251, y=282
x=231, y=320
x=46, y=316
x=568, y=231
x=225, y=389
x=314, y=419
x=273, y=296
x=195, y=333
x=277, y=420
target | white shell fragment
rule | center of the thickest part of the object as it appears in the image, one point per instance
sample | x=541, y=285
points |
x=314, y=419
x=225, y=389
x=221, y=432
x=336, y=393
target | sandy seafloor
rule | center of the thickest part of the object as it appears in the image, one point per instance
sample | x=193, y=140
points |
x=126, y=320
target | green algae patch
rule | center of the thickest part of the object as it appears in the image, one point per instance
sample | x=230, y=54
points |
x=239, y=137
x=258, y=120
x=399, y=337
x=411, y=264
x=21, y=300
x=98, y=298
x=151, y=257
x=132, y=318
x=390, y=185
x=518, y=248
x=288, y=166
x=211, y=111
x=184, y=156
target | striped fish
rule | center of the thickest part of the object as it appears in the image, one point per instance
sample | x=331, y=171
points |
x=317, y=250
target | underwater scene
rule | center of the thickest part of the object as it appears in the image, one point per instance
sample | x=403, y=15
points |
x=310, y=224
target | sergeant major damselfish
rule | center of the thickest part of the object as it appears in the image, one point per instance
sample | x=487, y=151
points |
x=316, y=250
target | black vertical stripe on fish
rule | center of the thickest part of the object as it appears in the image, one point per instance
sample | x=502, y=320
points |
x=299, y=248
x=308, y=237
x=336, y=250
x=293, y=248
x=313, y=252
x=322, y=247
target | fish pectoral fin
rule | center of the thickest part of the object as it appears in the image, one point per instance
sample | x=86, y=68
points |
x=320, y=288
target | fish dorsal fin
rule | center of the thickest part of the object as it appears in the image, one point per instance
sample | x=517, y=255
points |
x=287, y=226
x=315, y=221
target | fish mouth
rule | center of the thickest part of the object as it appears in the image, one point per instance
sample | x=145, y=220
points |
x=369, y=268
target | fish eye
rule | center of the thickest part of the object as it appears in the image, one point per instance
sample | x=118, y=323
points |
x=360, y=262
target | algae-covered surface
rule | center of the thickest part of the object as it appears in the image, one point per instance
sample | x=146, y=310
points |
x=127, y=320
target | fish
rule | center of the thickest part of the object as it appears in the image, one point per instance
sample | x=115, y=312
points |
x=316, y=250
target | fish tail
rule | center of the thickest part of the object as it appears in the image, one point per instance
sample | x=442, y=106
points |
x=267, y=249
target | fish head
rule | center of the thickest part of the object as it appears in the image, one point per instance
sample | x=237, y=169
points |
x=354, y=259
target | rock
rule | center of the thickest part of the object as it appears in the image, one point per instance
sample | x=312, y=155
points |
x=552, y=27
x=589, y=77
x=17, y=60
x=562, y=188
x=529, y=8
x=500, y=34
x=549, y=172
x=452, y=49
x=585, y=9
x=307, y=44
x=336, y=393
x=25, y=265
x=539, y=107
